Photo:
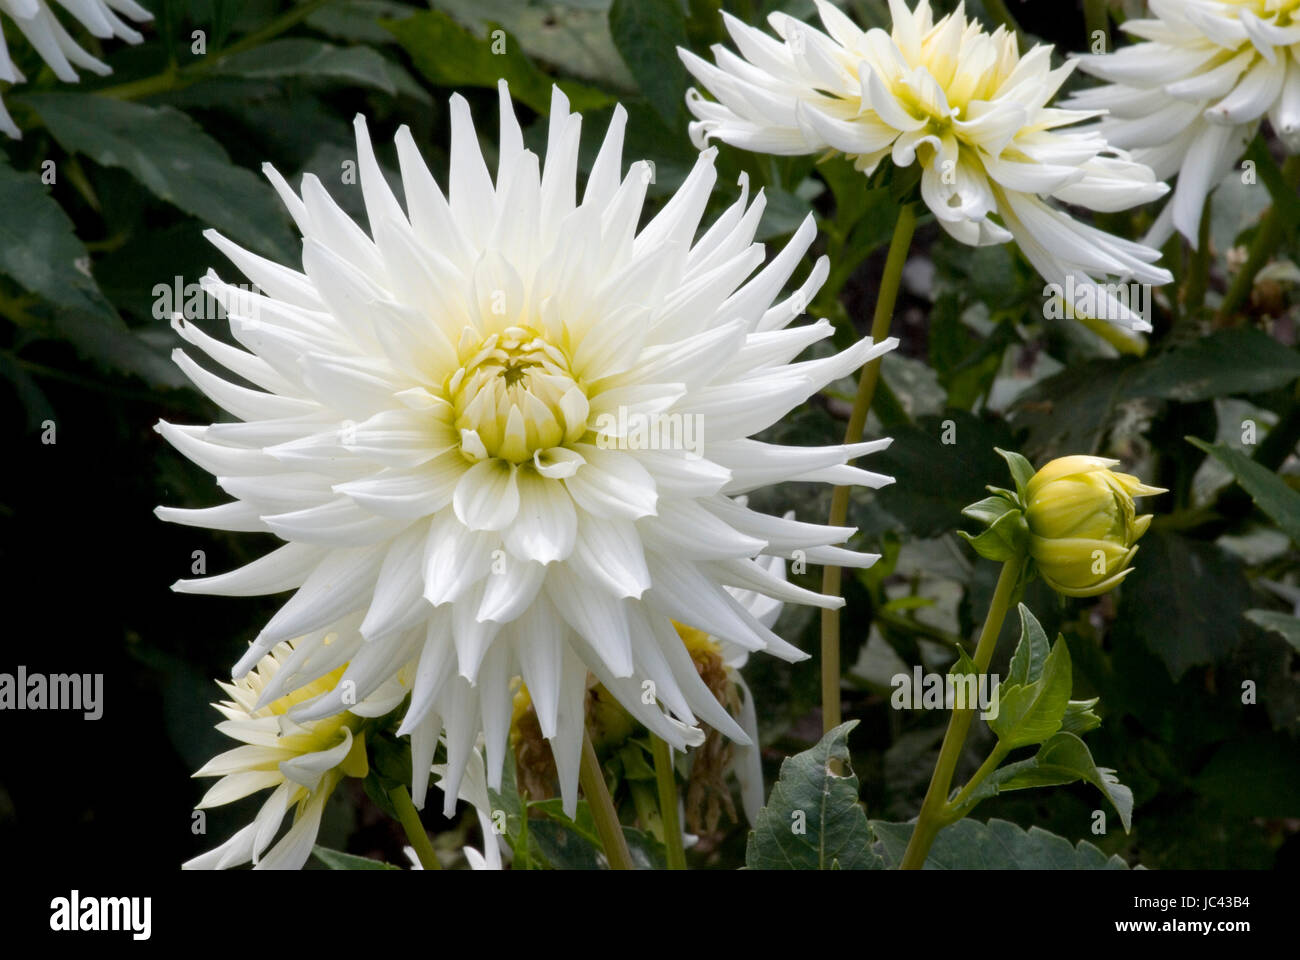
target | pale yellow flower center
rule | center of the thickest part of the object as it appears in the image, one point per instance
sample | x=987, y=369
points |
x=514, y=395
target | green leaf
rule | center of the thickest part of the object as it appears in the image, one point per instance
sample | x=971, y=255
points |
x=1005, y=539
x=358, y=21
x=1064, y=758
x=996, y=845
x=964, y=665
x=1183, y=601
x=171, y=155
x=301, y=57
x=1031, y=651
x=1283, y=624
x=338, y=860
x=39, y=250
x=647, y=34
x=572, y=34
x=517, y=832
x=989, y=510
x=575, y=844
x=1022, y=471
x=450, y=56
x=1257, y=775
x=1030, y=713
x=1068, y=411
x=1240, y=360
x=937, y=480
x=1268, y=491
x=1079, y=717
x=812, y=820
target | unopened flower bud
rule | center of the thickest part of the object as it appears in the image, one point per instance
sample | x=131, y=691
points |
x=1083, y=524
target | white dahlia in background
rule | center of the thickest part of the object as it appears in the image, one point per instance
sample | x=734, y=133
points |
x=960, y=102
x=1189, y=99
x=503, y=433
x=303, y=763
x=49, y=39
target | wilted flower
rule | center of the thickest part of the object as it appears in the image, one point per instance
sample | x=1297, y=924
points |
x=958, y=101
x=448, y=435
x=49, y=38
x=303, y=762
x=1189, y=99
x=1083, y=525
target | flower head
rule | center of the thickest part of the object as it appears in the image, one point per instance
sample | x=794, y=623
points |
x=471, y=427
x=1083, y=525
x=301, y=763
x=37, y=22
x=1190, y=97
x=961, y=103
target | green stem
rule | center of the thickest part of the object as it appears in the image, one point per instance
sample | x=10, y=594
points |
x=667, y=781
x=953, y=811
x=409, y=817
x=602, y=808
x=931, y=819
x=1267, y=239
x=1198, y=278
x=870, y=376
x=1096, y=19
x=174, y=77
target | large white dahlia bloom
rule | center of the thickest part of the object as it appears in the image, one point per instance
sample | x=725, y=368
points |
x=41, y=27
x=1190, y=98
x=960, y=102
x=300, y=763
x=504, y=433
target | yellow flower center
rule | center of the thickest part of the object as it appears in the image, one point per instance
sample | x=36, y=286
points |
x=1285, y=10
x=514, y=395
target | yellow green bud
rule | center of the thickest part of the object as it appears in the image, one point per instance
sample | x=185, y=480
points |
x=1083, y=525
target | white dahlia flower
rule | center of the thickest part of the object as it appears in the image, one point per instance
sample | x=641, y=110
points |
x=1189, y=99
x=504, y=432
x=302, y=762
x=473, y=789
x=49, y=38
x=746, y=763
x=960, y=102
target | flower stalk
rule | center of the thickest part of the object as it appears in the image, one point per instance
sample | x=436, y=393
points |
x=935, y=809
x=666, y=780
x=409, y=818
x=1267, y=239
x=603, y=813
x=832, y=576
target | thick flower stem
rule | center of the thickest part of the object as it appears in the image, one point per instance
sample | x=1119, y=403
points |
x=667, y=781
x=602, y=808
x=409, y=818
x=1267, y=238
x=870, y=376
x=933, y=809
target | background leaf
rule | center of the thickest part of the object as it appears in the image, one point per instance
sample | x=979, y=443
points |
x=996, y=845
x=171, y=155
x=823, y=803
